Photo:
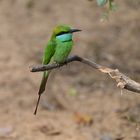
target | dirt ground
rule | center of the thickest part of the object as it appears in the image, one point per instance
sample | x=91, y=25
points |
x=79, y=103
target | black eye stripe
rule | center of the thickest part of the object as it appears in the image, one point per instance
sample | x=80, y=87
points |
x=61, y=33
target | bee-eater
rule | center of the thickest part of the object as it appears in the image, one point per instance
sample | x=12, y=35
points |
x=57, y=50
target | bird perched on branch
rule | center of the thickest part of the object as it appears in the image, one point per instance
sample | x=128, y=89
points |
x=57, y=50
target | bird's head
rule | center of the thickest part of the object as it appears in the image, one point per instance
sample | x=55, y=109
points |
x=63, y=33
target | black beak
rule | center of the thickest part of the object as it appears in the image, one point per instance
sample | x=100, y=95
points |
x=74, y=30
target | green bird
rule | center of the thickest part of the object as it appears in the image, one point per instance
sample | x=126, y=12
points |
x=57, y=50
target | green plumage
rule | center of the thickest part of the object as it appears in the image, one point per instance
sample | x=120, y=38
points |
x=62, y=51
x=57, y=50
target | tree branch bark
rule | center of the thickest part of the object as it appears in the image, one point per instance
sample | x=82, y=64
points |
x=123, y=81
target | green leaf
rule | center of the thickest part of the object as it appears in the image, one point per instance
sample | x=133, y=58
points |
x=72, y=92
x=101, y=2
x=113, y=6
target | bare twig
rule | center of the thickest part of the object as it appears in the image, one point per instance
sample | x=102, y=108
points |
x=123, y=81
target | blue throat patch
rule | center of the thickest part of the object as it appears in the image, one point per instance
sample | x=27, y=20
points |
x=64, y=37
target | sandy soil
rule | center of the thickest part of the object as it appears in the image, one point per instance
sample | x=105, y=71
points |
x=84, y=104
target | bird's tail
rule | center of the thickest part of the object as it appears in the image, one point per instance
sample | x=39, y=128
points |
x=42, y=88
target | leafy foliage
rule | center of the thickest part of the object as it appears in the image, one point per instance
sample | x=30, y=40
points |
x=111, y=6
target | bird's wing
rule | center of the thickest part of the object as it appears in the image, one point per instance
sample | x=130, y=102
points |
x=49, y=52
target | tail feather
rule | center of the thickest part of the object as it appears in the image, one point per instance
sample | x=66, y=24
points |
x=41, y=89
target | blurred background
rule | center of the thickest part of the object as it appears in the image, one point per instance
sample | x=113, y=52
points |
x=79, y=103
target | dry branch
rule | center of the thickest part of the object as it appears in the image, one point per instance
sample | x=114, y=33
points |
x=123, y=81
